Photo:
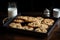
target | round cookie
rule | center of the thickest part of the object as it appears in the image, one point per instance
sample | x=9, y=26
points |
x=28, y=28
x=48, y=21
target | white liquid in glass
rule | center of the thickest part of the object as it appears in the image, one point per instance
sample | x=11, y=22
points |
x=12, y=12
x=56, y=13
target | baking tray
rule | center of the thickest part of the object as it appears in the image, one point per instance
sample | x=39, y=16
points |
x=31, y=33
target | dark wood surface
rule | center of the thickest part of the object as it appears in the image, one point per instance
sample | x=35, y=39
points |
x=4, y=35
x=55, y=35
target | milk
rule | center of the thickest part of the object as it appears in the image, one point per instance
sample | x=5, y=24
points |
x=12, y=12
x=56, y=12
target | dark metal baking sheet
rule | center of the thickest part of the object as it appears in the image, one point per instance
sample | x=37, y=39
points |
x=32, y=33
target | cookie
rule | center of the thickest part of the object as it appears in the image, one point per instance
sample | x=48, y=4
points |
x=28, y=28
x=44, y=26
x=48, y=21
x=30, y=19
x=38, y=30
x=34, y=24
x=15, y=25
x=23, y=17
x=18, y=21
x=41, y=30
x=40, y=18
x=12, y=25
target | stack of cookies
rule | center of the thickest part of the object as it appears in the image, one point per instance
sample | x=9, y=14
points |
x=37, y=24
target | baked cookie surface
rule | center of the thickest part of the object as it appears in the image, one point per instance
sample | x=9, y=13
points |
x=28, y=28
x=15, y=25
x=48, y=21
x=18, y=21
x=41, y=30
x=38, y=24
x=34, y=24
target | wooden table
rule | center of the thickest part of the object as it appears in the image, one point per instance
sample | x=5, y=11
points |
x=55, y=35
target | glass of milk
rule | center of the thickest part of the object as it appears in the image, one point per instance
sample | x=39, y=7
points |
x=12, y=10
x=56, y=12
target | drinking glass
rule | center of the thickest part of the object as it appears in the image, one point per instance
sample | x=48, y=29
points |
x=12, y=11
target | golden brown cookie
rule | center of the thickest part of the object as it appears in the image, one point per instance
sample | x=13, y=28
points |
x=23, y=17
x=12, y=25
x=31, y=19
x=41, y=30
x=40, y=18
x=34, y=24
x=38, y=30
x=48, y=21
x=44, y=26
x=15, y=25
x=28, y=28
x=18, y=21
